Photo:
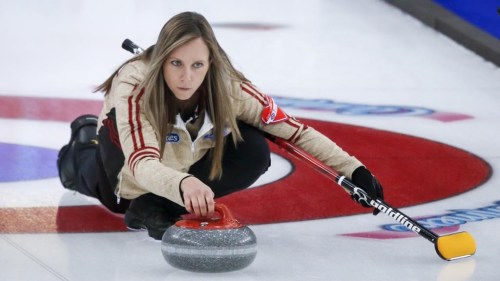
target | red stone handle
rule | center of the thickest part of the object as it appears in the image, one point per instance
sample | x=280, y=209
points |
x=226, y=220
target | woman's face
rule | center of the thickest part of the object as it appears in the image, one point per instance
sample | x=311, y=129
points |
x=185, y=69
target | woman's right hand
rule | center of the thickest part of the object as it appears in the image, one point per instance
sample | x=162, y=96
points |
x=198, y=197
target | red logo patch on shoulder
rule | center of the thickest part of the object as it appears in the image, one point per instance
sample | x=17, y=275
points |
x=272, y=113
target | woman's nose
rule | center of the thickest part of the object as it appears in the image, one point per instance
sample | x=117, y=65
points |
x=186, y=74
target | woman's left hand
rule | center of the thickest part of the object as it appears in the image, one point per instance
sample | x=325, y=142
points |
x=364, y=179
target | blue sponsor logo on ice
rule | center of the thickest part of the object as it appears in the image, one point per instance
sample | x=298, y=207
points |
x=350, y=108
x=456, y=217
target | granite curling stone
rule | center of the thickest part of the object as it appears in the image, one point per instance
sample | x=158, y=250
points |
x=218, y=244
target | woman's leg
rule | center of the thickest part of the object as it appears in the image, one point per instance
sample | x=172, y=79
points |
x=83, y=131
x=80, y=168
x=242, y=165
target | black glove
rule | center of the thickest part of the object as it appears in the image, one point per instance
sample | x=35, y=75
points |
x=362, y=178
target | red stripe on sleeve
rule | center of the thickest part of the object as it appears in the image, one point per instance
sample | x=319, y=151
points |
x=131, y=121
x=255, y=90
x=141, y=156
x=258, y=96
x=138, y=118
x=295, y=124
x=289, y=121
x=298, y=137
x=146, y=151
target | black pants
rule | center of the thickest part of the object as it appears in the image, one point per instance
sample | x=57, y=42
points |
x=242, y=165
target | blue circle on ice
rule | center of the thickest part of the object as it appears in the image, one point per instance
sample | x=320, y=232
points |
x=23, y=162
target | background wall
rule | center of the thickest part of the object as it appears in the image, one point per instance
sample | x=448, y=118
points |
x=474, y=24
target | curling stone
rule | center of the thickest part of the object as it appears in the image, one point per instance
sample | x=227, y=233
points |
x=217, y=244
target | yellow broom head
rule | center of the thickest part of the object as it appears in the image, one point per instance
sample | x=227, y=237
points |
x=455, y=246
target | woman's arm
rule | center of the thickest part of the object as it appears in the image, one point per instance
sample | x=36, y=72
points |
x=259, y=110
x=138, y=139
x=251, y=104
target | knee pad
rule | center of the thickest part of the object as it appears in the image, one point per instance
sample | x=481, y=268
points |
x=84, y=129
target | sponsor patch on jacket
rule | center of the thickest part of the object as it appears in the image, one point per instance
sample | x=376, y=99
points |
x=272, y=113
x=173, y=137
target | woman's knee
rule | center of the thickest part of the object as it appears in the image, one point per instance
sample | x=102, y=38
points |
x=255, y=150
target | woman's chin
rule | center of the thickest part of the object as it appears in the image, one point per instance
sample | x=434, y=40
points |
x=183, y=96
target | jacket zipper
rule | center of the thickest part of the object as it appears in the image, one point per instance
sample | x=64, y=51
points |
x=117, y=193
x=206, y=127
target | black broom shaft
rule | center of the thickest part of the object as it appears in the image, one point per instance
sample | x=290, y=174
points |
x=351, y=187
x=131, y=47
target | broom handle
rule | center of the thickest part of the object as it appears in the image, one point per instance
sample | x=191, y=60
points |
x=352, y=188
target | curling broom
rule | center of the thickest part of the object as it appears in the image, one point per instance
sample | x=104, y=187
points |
x=448, y=247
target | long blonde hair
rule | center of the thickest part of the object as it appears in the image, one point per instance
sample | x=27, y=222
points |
x=160, y=102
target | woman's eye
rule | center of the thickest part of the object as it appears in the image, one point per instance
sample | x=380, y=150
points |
x=176, y=63
x=197, y=65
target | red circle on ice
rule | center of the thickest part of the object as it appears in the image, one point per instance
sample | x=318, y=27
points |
x=412, y=170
